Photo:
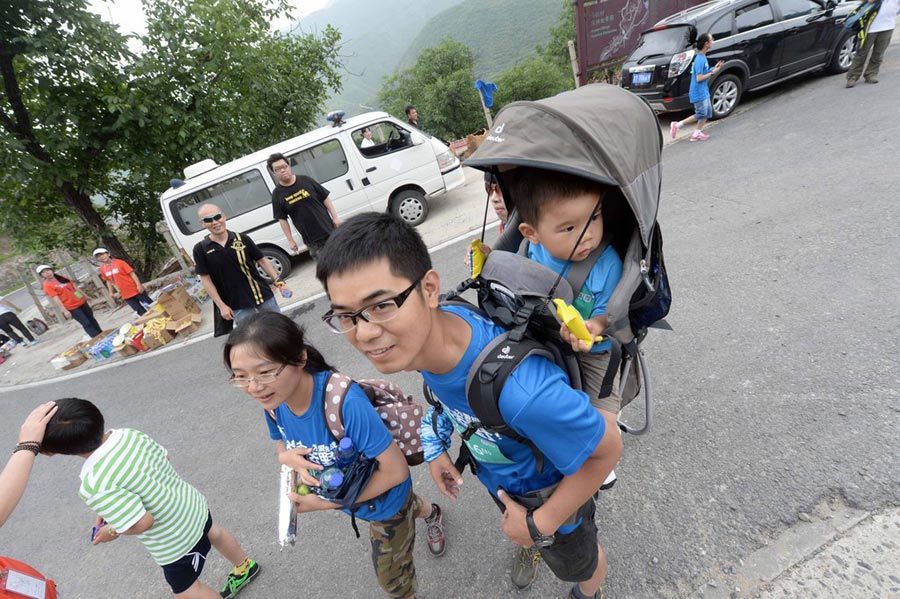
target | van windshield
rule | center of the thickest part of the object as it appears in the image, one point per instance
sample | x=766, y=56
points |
x=662, y=42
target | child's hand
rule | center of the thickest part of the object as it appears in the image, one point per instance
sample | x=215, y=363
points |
x=570, y=338
x=485, y=249
x=311, y=503
x=296, y=460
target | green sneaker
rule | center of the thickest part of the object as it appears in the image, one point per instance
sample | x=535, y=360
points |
x=597, y=595
x=524, y=568
x=235, y=583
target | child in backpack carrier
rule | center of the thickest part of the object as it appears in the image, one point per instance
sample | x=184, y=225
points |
x=553, y=209
x=269, y=360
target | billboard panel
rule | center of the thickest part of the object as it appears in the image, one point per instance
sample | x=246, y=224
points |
x=608, y=30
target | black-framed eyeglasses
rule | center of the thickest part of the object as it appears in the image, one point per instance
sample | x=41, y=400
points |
x=242, y=382
x=377, y=313
x=281, y=168
x=212, y=219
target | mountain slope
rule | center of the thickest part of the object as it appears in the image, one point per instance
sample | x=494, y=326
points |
x=375, y=35
x=501, y=32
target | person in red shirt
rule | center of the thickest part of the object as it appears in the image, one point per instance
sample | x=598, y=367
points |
x=69, y=299
x=119, y=276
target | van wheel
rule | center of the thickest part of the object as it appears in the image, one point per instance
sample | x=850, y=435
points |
x=725, y=95
x=280, y=261
x=843, y=55
x=411, y=206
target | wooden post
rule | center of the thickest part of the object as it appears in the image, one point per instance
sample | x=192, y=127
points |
x=163, y=230
x=487, y=111
x=573, y=58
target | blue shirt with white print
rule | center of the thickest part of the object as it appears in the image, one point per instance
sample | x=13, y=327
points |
x=361, y=423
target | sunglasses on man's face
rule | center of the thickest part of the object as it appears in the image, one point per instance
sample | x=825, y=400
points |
x=212, y=219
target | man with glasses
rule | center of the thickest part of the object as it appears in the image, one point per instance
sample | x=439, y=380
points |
x=384, y=298
x=226, y=263
x=306, y=203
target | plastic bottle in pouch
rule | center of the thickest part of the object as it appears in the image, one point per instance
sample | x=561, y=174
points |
x=346, y=453
x=332, y=478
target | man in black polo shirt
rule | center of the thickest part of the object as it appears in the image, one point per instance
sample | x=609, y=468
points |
x=305, y=201
x=226, y=262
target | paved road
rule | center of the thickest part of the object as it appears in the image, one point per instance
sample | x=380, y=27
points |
x=777, y=394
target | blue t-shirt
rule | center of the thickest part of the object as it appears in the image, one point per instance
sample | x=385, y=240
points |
x=699, y=89
x=536, y=401
x=598, y=286
x=361, y=423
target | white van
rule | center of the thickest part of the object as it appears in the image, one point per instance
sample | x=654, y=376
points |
x=399, y=172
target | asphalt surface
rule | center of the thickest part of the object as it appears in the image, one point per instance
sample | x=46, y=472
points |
x=777, y=395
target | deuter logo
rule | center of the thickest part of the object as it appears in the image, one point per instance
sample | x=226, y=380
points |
x=504, y=354
x=498, y=130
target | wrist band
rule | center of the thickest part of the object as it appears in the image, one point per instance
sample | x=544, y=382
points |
x=32, y=446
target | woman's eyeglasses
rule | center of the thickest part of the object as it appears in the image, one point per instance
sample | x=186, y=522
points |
x=242, y=382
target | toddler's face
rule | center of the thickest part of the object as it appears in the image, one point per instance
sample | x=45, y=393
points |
x=562, y=222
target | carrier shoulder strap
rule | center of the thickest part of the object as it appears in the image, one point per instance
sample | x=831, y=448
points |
x=485, y=381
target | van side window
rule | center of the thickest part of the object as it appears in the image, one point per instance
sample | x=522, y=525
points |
x=724, y=27
x=791, y=9
x=752, y=16
x=235, y=196
x=323, y=162
x=386, y=138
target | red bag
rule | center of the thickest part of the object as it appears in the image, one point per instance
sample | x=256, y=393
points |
x=21, y=581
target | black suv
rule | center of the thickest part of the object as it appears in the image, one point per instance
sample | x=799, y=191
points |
x=761, y=42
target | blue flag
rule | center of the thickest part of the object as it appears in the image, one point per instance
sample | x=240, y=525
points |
x=487, y=90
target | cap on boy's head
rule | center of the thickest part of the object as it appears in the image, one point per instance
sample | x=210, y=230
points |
x=42, y=268
x=99, y=251
x=75, y=429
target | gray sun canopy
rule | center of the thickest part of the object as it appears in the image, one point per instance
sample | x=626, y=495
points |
x=598, y=131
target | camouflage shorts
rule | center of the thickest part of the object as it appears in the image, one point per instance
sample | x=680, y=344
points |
x=392, y=549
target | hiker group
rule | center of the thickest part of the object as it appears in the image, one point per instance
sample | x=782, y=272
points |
x=532, y=376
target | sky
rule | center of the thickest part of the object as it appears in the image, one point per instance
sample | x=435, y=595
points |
x=129, y=15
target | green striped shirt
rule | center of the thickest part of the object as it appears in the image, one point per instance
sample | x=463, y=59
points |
x=128, y=476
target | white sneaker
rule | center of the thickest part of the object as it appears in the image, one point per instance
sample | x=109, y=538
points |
x=609, y=482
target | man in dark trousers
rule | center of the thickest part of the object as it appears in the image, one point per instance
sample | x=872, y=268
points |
x=307, y=204
x=226, y=263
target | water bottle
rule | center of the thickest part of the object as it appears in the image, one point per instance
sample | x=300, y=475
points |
x=346, y=453
x=331, y=479
x=285, y=292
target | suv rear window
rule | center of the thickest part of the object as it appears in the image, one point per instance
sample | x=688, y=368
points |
x=662, y=42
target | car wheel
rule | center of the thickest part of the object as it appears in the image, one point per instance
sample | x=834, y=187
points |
x=411, y=206
x=843, y=55
x=725, y=95
x=279, y=260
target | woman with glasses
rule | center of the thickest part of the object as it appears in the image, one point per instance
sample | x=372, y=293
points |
x=70, y=300
x=270, y=360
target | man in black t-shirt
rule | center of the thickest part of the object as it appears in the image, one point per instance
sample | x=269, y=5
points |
x=226, y=263
x=306, y=203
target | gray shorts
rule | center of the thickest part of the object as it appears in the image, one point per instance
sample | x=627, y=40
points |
x=593, y=367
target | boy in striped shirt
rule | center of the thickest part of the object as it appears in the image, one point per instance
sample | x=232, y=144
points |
x=129, y=482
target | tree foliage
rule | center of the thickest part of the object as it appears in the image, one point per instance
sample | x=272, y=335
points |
x=556, y=49
x=82, y=115
x=532, y=79
x=440, y=86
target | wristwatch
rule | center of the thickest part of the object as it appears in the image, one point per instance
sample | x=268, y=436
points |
x=536, y=536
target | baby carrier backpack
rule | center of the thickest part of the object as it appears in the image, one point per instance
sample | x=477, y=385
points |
x=603, y=133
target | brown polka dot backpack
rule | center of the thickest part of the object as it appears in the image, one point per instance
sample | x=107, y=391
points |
x=399, y=412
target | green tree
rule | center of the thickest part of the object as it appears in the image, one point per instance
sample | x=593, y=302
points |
x=83, y=116
x=556, y=50
x=532, y=79
x=441, y=87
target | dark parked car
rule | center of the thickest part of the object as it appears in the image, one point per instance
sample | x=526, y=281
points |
x=761, y=42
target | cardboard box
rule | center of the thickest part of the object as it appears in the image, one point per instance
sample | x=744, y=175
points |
x=186, y=326
x=155, y=310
